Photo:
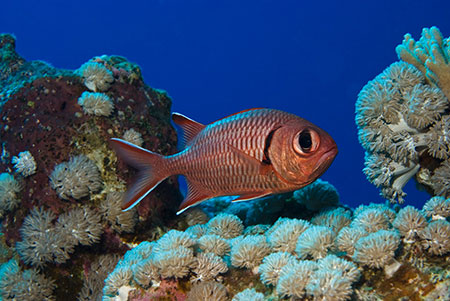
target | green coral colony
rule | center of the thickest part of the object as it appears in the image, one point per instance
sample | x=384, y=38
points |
x=67, y=237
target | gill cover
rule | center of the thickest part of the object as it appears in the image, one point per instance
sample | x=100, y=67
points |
x=295, y=151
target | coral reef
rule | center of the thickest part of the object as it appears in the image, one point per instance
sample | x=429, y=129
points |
x=403, y=122
x=53, y=126
x=356, y=262
x=67, y=238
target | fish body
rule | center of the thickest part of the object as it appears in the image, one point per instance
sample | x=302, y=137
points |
x=251, y=154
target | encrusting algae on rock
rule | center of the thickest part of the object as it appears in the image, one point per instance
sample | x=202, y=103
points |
x=63, y=236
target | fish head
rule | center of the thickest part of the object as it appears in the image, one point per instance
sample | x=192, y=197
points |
x=300, y=152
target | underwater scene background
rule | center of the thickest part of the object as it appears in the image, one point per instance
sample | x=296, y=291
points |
x=73, y=75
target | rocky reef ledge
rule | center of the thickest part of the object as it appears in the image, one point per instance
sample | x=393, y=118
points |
x=60, y=183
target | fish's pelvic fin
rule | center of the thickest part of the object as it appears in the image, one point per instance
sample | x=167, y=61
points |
x=251, y=161
x=250, y=196
x=150, y=166
x=194, y=196
x=190, y=127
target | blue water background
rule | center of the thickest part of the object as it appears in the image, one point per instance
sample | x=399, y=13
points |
x=215, y=58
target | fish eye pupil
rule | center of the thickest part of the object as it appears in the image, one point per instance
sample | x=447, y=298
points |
x=305, y=141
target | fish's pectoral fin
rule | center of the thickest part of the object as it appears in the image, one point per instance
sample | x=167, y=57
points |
x=254, y=163
x=250, y=196
x=190, y=127
x=194, y=196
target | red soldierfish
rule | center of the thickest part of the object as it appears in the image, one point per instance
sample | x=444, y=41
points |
x=251, y=154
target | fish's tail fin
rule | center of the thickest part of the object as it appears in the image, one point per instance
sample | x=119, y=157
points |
x=151, y=166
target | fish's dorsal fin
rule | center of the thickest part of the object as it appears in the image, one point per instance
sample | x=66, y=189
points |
x=243, y=111
x=240, y=112
x=190, y=127
x=193, y=197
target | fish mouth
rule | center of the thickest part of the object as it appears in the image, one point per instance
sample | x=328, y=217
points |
x=325, y=161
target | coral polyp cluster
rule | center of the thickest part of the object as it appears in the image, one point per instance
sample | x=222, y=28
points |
x=375, y=243
x=403, y=119
x=9, y=193
x=24, y=163
x=29, y=284
x=44, y=241
x=76, y=178
x=97, y=104
x=96, y=76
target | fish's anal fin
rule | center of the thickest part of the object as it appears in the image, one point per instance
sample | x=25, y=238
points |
x=194, y=196
x=190, y=127
x=250, y=196
x=251, y=161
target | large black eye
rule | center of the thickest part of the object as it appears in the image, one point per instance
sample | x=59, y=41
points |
x=305, y=141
